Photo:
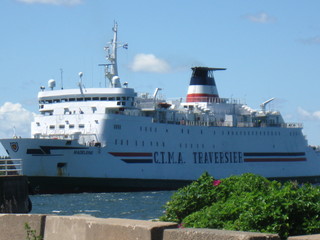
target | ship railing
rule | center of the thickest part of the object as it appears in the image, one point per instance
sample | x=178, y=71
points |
x=10, y=166
x=213, y=100
x=292, y=125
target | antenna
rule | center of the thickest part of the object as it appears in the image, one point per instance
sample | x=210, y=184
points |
x=111, y=69
x=61, y=77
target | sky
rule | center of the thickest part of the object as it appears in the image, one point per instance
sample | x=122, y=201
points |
x=270, y=49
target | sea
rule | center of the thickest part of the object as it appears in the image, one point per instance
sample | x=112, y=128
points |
x=132, y=205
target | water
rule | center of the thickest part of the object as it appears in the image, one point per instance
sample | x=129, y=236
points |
x=136, y=205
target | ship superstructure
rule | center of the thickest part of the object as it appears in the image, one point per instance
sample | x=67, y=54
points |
x=112, y=138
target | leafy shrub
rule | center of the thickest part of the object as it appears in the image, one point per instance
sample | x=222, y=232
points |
x=247, y=203
x=190, y=199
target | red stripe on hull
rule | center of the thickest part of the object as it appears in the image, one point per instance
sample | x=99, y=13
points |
x=275, y=159
x=131, y=154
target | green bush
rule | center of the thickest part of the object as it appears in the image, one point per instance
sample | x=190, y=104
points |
x=247, y=203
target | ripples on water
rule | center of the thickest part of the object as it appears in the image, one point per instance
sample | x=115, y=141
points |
x=136, y=205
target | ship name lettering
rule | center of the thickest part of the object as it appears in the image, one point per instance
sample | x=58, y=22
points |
x=83, y=152
x=217, y=157
x=168, y=158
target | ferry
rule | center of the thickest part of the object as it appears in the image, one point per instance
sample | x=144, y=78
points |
x=115, y=139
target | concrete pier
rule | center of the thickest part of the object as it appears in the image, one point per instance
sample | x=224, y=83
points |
x=14, y=196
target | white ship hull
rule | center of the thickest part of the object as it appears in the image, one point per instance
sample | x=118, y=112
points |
x=144, y=151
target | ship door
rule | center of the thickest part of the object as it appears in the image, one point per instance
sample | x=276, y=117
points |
x=61, y=169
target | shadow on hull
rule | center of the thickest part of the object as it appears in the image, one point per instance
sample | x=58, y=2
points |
x=60, y=185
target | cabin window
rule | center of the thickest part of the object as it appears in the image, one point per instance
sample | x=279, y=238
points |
x=104, y=99
x=87, y=99
x=72, y=99
x=61, y=126
x=52, y=127
x=111, y=98
x=95, y=99
x=81, y=125
x=71, y=126
x=79, y=99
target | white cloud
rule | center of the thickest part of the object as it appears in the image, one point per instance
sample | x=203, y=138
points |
x=14, y=119
x=306, y=115
x=53, y=2
x=260, y=18
x=149, y=63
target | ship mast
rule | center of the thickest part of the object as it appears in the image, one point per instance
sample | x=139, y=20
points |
x=111, y=69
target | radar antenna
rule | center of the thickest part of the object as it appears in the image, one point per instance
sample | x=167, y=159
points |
x=111, y=69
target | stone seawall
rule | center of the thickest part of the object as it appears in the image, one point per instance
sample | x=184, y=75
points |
x=83, y=227
x=79, y=227
x=14, y=196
